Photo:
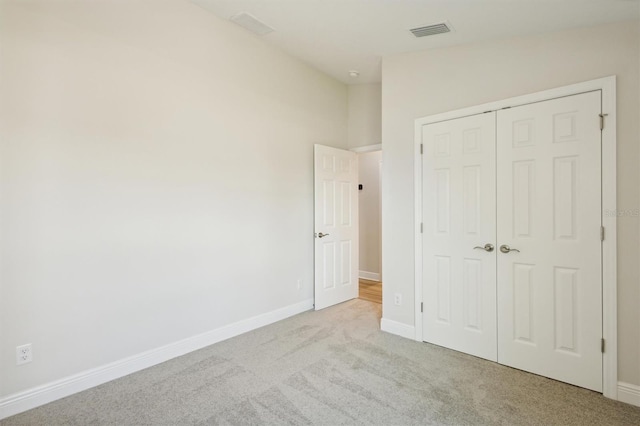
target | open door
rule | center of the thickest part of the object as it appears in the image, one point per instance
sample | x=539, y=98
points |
x=336, y=226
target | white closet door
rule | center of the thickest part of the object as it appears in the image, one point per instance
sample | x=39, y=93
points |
x=549, y=208
x=459, y=281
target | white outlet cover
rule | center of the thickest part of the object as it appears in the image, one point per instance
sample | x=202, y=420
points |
x=24, y=354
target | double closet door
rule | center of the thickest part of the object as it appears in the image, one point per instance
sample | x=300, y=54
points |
x=512, y=237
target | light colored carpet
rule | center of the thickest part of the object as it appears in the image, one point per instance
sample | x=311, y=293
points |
x=331, y=367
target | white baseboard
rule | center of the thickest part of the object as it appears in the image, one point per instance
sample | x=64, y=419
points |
x=373, y=276
x=629, y=393
x=398, y=328
x=40, y=395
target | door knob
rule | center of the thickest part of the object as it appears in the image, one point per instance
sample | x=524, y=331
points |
x=487, y=247
x=506, y=249
x=320, y=235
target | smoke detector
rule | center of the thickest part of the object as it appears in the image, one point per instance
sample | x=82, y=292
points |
x=429, y=30
x=354, y=73
x=251, y=23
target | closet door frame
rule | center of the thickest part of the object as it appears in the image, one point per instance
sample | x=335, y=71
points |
x=609, y=253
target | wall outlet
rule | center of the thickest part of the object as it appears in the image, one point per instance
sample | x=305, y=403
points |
x=299, y=283
x=24, y=354
x=397, y=299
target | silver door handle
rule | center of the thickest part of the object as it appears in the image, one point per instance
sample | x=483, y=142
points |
x=506, y=249
x=487, y=247
x=320, y=235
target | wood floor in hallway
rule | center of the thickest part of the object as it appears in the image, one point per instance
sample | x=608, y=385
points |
x=371, y=290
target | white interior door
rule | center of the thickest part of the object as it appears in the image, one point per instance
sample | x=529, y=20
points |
x=459, y=205
x=549, y=208
x=336, y=226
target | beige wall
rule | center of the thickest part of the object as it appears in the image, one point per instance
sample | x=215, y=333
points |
x=365, y=109
x=434, y=81
x=156, y=169
x=637, y=306
x=369, y=211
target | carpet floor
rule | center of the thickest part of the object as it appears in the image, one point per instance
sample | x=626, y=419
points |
x=330, y=367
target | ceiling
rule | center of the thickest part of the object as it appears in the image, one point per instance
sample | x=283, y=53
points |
x=336, y=36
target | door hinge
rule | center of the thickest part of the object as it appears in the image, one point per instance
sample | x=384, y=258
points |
x=421, y=149
x=421, y=306
x=602, y=345
x=602, y=233
x=602, y=116
x=421, y=227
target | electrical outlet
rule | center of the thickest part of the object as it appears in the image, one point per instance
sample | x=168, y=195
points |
x=299, y=284
x=397, y=299
x=24, y=354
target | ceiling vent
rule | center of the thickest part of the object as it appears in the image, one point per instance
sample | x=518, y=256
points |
x=430, y=30
x=251, y=23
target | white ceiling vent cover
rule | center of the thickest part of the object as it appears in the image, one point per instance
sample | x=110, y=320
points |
x=251, y=23
x=429, y=30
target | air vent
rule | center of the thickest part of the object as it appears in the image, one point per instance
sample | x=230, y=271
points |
x=252, y=24
x=430, y=30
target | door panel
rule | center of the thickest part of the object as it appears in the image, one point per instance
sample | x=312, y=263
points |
x=336, y=218
x=549, y=208
x=459, y=282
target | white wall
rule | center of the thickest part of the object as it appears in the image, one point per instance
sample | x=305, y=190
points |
x=429, y=82
x=365, y=115
x=369, y=214
x=156, y=179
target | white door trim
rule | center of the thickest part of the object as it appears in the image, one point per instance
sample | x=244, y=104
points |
x=609, y=203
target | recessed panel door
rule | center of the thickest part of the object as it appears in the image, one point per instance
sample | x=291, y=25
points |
x=336, y=226
x=549, y=244
x=459, y=219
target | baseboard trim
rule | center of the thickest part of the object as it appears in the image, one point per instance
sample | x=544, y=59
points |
x=373, y=276
x=398, y=328
x=40, y=395
x=629, y=393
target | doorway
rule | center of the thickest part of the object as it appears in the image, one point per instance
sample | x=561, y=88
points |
x=348, y=243
x=370, y=223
